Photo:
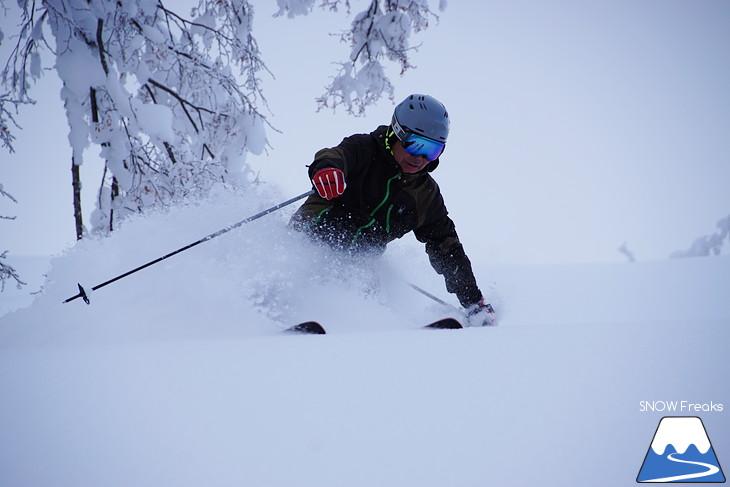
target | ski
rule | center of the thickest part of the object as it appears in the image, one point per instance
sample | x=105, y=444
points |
x=314, y=328
x=307, y=328
x=445, y=324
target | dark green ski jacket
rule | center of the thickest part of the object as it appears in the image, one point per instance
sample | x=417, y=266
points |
x=381, y=204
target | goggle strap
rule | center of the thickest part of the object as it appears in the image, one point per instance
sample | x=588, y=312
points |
x=398, y=130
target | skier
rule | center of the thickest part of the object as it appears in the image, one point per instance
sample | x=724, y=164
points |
x=374, y=188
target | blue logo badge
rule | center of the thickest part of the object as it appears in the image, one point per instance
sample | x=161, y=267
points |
x=681, y=452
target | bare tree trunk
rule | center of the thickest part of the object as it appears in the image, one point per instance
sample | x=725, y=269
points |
x=78, y=216
x=114, y=195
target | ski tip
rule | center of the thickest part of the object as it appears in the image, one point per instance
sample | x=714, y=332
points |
x=307, y=328
x=445, y=324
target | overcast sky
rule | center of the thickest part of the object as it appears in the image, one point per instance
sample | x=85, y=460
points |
x=576, y=126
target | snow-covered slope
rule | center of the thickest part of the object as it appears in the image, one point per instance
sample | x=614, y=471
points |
x=179, y=375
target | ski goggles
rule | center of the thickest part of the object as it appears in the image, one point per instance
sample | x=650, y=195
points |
x=418, y=145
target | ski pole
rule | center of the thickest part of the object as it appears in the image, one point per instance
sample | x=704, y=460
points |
x=435, y=298
x=82, y=292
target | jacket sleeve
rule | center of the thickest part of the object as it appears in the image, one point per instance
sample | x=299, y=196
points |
x=347, y=156
x=447, y=256
x=333, y=157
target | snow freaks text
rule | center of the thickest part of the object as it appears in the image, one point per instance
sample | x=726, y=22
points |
x=683, y=407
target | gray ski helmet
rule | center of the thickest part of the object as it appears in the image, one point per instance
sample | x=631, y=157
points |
x=422, y=115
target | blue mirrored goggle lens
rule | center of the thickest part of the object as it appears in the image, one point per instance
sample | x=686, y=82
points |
x=419, y=145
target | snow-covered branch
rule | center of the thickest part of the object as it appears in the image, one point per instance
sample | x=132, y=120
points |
x=381, y=32
x=6, y=120
x=24, y=63
x=11, y=198
x=293, y=8
x=21, y=69
x=8, y=273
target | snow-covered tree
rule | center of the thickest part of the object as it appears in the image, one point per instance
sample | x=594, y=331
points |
x=624, y=249
x=175, y=101
x=159, y=93
x=711, y=244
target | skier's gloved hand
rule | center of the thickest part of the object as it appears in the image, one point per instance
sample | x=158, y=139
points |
x=329, y=182
x=481, y=314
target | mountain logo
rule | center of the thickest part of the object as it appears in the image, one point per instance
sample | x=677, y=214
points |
x=681, y=452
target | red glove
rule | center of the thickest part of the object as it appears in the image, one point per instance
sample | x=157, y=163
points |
x=329, y=182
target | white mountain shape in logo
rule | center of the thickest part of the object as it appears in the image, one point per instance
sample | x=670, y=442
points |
x=681, y=433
